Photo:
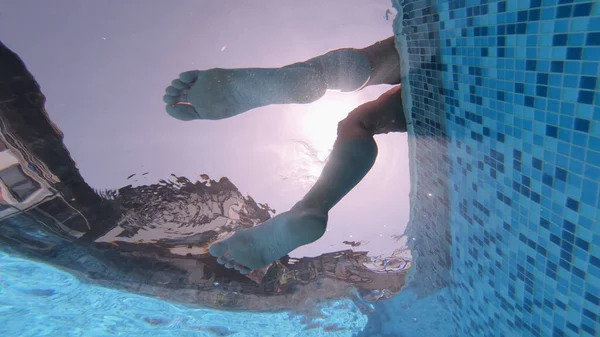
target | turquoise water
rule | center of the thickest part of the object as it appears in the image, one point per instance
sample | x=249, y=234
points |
x=50, y=302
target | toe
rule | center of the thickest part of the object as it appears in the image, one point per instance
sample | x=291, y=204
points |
x=189, y=76
x=241, y=268
x=224, y=259
x=171, y=99
x=178, y=84
x=229, y=264
x=171, y=90
x=218, y=249
x=184, y=112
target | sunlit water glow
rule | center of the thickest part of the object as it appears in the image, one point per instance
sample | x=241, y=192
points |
x=319, y=125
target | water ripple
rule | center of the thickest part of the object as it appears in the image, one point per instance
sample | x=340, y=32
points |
x=50, y=302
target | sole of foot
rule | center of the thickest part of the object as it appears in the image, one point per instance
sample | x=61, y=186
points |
x=223, y=93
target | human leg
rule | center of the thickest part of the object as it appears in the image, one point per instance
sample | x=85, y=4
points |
x=222, y=93
x=353, y=155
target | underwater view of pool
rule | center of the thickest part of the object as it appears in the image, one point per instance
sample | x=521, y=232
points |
x=122, y=214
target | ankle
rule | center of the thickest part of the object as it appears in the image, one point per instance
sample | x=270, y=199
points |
x=346, y=69
x=304, y=207
x=385, y=62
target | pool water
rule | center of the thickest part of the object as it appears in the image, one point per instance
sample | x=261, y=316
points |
x=50, y=302
x=504, y=230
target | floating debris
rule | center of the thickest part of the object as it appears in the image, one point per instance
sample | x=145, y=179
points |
x=352, y=243
x=390, y=13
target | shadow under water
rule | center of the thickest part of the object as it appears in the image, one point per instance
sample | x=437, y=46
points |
x=152, y=239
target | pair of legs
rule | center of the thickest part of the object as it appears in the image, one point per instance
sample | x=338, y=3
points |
x=222, y=93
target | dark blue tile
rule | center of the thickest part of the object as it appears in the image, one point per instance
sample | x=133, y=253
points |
x=578, y=272
x=518, y=155
x=579, y=242
x=560, y=174
x=564, y=263
x=500, y=95
x=582, y=125
x=521, y=28
x=593, y=299
x=542, y=78
x=537, y=163
x=547, y=179
x=573, y=204
x=517, y=165
x=564, y=255
x=501, y=29
x=590, y=315
x=563, y=11
x=593, y=39
x=501, y=41
x=535, y=3
x=583, y=9
x=588, y=329
x=560, y=39
x=557, y=66
x=534, y=14
x=574, y=53
x=569, y=226
x=531, y=65
x=511, y=29
x=595, y=261
x=522, y=16
x=572, y=326
x=541, y=91
x=587, y=82
x=544, y=223
x=520, y=88
x=585, y=97
x=551, y=131
x=529, y=101
x=501, y=6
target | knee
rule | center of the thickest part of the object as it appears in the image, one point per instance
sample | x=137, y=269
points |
x=356, y=120
x=348, y=124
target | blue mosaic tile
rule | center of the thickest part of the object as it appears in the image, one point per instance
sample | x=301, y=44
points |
x=513, y=89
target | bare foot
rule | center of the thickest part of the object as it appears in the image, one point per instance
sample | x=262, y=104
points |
x=259, y=246
x=222, y=93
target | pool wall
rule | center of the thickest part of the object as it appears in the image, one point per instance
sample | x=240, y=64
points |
x=505, y=161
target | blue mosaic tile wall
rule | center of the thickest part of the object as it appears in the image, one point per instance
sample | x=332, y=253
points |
x=504, y=104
